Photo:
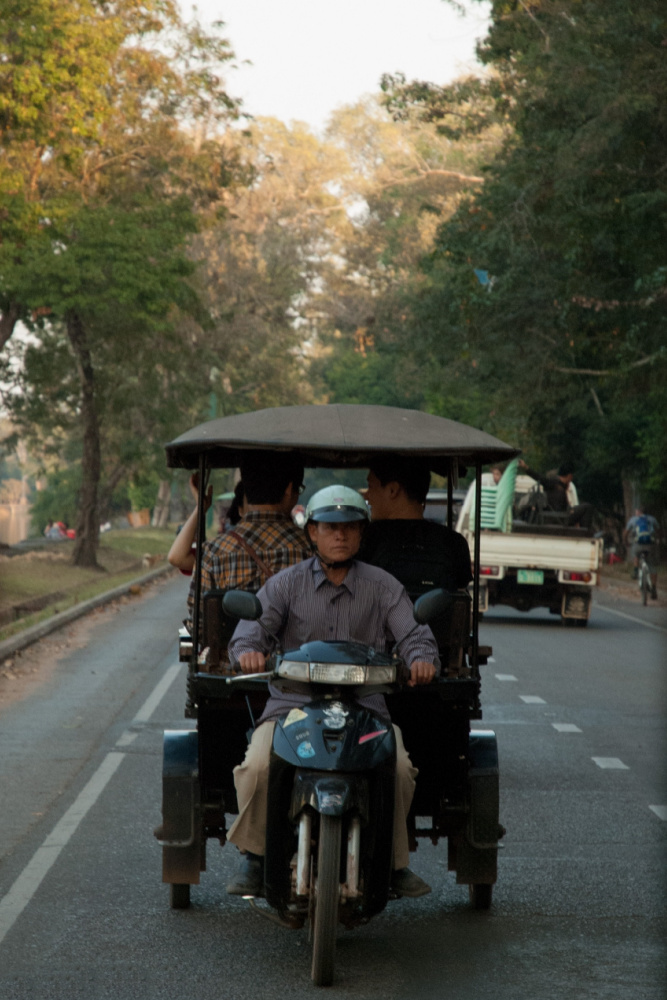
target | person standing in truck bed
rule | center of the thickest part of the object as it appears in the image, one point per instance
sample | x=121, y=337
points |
x=555, y=487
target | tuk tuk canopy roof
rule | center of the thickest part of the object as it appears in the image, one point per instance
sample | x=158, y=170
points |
x=337, y=436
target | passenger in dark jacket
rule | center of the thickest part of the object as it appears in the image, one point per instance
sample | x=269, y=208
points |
x=419, y=553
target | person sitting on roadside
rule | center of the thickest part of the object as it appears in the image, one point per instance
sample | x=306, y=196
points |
x=641, y=533
x=420, y=553
x=329, y=596
x=266, y=539
x=556, y=486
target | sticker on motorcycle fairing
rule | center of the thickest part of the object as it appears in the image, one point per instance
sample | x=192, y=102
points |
x=371, y=736
x=302, y=735
x=335, y=716
x=305, y=750
x=296, y=715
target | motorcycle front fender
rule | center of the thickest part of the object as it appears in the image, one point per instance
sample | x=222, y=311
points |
x=329, y=795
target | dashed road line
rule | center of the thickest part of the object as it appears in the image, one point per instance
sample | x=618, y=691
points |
x=566, y=727
x=660, y=811
x=610, y=763
x=505, y=677
x=532, y=699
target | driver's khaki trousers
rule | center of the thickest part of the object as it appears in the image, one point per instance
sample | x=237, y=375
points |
x=251, y=781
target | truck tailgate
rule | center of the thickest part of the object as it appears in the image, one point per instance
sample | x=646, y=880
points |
x=538, y=551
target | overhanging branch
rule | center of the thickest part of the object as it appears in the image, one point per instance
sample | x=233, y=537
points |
x=607, y=371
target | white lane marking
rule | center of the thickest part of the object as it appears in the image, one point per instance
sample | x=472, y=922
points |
x=126, y=738
x=26, y=885
x=566, y=727
x=613, y=763
x=532, y=699
x=505, y=677
x=154, y=699
x=660, y=811
x=28, y=882
x=632, y=618
x=491, y=659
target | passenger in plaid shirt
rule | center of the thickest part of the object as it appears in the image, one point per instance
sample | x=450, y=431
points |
x=272, y=486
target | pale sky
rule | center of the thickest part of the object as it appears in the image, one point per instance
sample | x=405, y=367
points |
x=311, y=56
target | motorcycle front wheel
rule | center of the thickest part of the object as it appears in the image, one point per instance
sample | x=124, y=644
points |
x=326, y=900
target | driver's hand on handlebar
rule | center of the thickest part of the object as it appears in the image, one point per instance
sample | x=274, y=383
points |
x=252, y=663
x=421, y=673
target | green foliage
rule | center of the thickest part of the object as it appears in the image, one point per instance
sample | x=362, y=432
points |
x=566, y=339
x=58, y=501
x=349, y=377
x=142, y=491
x=102, y=184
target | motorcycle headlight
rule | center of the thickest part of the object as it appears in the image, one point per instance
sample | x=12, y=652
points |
x=336, y=673
x=294, y=670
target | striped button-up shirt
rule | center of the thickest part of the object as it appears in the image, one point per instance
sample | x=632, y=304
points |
x=226, y=565
x=301, y=604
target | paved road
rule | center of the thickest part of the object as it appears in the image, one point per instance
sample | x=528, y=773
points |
x=578, y=909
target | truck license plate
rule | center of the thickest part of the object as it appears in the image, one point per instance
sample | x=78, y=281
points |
x=530, y=576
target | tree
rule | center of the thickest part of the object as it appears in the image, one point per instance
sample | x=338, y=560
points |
x=262, y=265
x=546, y=290
x=112, y=153
x=404, y=178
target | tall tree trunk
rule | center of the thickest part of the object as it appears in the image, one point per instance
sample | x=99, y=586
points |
x=162, y=505
x=88, y=525
x=8, y=321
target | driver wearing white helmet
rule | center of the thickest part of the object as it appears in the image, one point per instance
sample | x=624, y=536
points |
x=329, y=596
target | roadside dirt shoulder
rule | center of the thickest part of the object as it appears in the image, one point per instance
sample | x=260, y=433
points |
x=628, y=590
x=26, y=669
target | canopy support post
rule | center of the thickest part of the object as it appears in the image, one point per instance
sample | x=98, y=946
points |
x=196, y=611
x=476, y=570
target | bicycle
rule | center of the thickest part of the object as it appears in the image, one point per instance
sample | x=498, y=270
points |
x=644, y=576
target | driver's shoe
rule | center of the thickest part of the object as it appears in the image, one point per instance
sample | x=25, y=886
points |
x=405, y=883
x=249, y=879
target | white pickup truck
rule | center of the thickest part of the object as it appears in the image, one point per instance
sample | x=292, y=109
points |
x=529, y=565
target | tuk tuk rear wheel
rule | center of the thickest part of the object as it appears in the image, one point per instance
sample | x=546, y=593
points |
x=326, y=900
x=179, y=895
x=480, y=895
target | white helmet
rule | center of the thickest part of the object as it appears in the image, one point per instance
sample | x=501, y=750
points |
x=337, y=503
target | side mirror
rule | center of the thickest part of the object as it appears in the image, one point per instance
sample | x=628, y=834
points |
x=431, y=605
x=242, y=604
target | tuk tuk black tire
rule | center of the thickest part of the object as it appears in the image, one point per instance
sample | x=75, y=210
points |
x=326, y=900
x=481, y=894
x=179, y=895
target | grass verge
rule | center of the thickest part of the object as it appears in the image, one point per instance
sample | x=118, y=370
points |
x=48, y=574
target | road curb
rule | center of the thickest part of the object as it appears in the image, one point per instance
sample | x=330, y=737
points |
x=36, y=632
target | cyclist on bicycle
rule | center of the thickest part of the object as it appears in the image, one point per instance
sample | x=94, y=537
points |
x=641, y=532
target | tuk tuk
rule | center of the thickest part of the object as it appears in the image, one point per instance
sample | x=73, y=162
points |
x=457, y=793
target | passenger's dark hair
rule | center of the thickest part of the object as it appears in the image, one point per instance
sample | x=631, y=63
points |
x=266, y=475
x=565, y=469
x=234, y=512
x=414, y=476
